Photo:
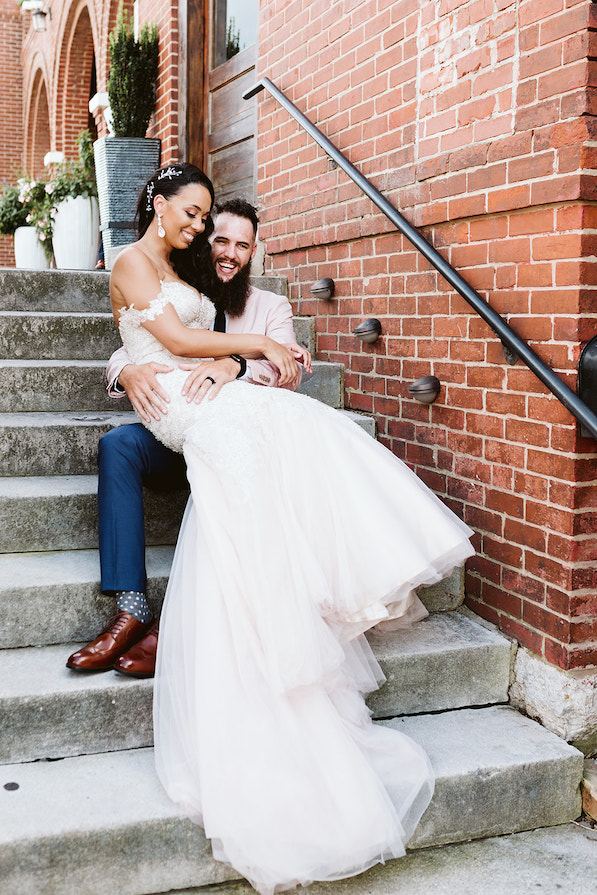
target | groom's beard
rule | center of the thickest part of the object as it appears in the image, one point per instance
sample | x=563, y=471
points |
x=229, y=297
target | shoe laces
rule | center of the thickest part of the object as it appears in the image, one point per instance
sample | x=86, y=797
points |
x=116, y=623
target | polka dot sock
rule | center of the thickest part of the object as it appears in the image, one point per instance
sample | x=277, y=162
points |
x=134, y=602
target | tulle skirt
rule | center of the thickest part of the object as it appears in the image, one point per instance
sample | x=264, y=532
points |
x=301, y=533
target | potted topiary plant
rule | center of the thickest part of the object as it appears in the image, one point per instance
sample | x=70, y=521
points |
x=73, y=207
x=21, y=217
x=125, y=161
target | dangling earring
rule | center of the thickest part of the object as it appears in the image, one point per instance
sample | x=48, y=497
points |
x=161, y=231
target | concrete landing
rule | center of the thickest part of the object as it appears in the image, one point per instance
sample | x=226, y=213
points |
x=100, y=824
x=549, y=861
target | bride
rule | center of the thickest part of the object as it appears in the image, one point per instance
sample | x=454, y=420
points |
x=301, y=533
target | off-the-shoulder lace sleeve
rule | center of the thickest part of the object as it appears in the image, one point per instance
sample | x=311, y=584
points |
x=155, y=307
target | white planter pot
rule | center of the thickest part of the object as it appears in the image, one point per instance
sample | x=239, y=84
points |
x=29, y=251
x=76, y=234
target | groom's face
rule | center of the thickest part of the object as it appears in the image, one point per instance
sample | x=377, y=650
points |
x=232, y=245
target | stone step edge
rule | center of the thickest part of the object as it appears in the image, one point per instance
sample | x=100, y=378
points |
x=513, y=775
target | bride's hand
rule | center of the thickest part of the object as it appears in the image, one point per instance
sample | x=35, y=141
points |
x=301, y=355
x=283, y=359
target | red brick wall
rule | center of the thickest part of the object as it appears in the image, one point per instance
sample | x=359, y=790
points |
x=165, y=120
x=476, y=119
x=11, y=107
x=77, y=32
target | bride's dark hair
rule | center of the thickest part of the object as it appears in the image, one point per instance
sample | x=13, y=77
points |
x=189, y=264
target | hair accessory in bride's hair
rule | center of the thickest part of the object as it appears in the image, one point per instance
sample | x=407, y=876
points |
x=169, y=172
x=150, y=189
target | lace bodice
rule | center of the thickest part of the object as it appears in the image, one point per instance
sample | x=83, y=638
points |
x=195, y=311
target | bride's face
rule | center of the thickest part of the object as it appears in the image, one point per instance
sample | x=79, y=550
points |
x=185, y=214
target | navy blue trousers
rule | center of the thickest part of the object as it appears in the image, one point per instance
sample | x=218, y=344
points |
x=130, y=457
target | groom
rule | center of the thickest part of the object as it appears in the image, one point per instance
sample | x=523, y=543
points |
x=130, y=457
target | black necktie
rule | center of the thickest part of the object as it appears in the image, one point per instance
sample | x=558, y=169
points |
x=220, y=322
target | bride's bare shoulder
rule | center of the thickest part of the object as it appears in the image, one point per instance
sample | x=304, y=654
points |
x=133, y=280
x=132, y=262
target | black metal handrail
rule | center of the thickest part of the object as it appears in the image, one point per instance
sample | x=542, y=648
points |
x=509, y=338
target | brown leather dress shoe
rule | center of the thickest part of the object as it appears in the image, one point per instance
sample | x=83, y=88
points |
x=139, y=661
x=122, y=631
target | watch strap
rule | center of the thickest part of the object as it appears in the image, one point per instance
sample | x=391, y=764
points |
x=243, y=365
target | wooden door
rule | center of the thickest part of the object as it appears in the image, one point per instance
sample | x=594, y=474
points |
x=231, y=121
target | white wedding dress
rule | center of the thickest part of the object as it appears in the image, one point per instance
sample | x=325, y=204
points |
x=302, y=532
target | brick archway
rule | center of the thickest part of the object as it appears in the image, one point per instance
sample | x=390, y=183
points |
x=74, y=75
x=38, y=140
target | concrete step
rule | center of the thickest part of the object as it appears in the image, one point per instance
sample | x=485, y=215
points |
x=446, y=662
x=55, y=597
x=550, y=860
x=101, y=823
x=54, y=290
x=70, y=290
x=304, y=328
x=40, y=513
x=47, y=386
x=48, y=711
x=65, y=443
x=52, y=335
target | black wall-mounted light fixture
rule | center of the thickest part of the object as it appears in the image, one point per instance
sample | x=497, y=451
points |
x=426, y=389
x=369, y=330
x=323, y=288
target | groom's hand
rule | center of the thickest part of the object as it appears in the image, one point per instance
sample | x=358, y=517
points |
x=143, y=389
x=207, y=378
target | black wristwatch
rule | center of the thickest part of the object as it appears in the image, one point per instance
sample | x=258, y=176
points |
x=243, y=365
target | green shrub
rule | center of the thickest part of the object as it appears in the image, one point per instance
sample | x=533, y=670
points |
x=133, y=76
x=73, y=179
